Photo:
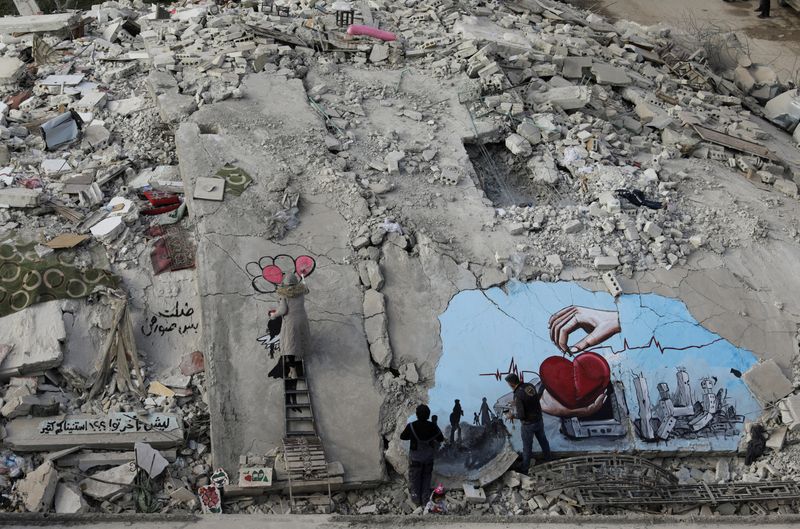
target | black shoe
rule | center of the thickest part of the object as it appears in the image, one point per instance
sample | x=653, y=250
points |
x=762, y=15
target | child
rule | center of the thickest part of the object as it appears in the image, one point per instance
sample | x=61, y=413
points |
x=437, y=503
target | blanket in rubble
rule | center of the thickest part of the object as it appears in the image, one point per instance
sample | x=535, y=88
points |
x=26, y=278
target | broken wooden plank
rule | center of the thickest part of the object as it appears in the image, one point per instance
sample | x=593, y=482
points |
x=27, y=7
x=732, y=142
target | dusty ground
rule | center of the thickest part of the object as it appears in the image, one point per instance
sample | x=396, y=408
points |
x=774, y=41
x=326, y=522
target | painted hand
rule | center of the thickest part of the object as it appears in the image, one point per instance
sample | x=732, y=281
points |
x=600, y=325
x=552, y=407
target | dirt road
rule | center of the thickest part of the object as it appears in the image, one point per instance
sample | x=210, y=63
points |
x=326, y=522
x=774, y=41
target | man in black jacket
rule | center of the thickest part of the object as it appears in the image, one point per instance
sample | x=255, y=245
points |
x=425, y=438
x=529, y=413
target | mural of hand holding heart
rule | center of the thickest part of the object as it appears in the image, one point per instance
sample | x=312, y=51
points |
x=575, y=383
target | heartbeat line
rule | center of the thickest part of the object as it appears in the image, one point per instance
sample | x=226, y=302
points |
x=654, y=342
x=513, y=367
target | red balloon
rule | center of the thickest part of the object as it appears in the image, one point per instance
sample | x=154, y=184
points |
x=273, y=274
x=304, y=265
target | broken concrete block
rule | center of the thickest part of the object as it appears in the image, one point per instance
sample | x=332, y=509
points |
x=565, y=97
x=767, y=382
x=792, y=406
x=126, y=107
x=69, y=500
x=518, y=145
x=19, y=197
x=652, y=229
x=159, y=82
x=645, y=111
x=11, y=70
x=744, y=79
x=528, y=130
x=33, y=352
x=108, y=483
x=410, y=373
x=149, y=459
x=554, y=261
x=360, y=242
x=777, y=437
x=374, y=303
x=766, y=177
x=606, y=262
x=606, y=74
x=108, y=229
x=174, y=107
x=576, y=67
x=378, y=339
x=93, y=100
x=723, y=472
x=542, y=169
x=612, y=284
x=96, y=136
x=375, y=276
x=39, y=487
x=516, y=228
x=573, y=226
x=393, y=160
x=787, y=187
x=380, y=52
x=473, y=494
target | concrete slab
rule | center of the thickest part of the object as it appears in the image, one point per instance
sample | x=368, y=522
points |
x=767, y=382
x=57, y=22
x=117, y=430
x=32, y=352
x=246, y=405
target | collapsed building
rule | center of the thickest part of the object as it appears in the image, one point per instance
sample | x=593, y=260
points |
x=415, y=188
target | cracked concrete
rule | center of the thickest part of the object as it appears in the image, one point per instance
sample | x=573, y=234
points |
x=247, y=405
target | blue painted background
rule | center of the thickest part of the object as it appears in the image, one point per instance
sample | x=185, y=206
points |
x=483, y=330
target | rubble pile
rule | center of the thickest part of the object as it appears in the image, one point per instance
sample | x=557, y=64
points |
x=588, y=141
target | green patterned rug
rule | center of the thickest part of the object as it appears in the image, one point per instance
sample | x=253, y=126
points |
x=27, y=279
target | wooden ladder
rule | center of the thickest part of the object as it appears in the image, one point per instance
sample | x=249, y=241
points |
x=298, y=411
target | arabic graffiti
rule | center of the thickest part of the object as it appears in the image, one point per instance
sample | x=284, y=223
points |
x=113, y=423
x=174, y=319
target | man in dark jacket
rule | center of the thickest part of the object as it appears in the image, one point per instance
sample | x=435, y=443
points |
x=529, y=413
x=425, y=438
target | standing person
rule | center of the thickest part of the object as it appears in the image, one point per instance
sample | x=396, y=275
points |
x=295, y=333
x=529, y=413
x=425, y=438
x=455, y=421
x=763, y=8
x=485, y=417
x=475, y=419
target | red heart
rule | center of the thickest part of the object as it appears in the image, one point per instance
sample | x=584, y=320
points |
x=575, y=383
